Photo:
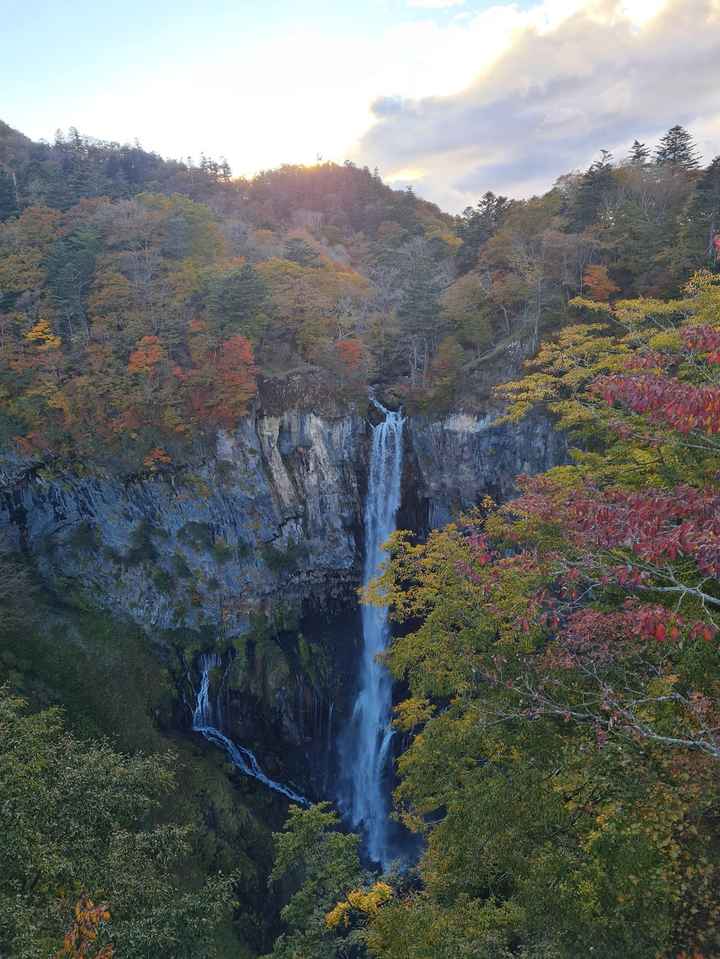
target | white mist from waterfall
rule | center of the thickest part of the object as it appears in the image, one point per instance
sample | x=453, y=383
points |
x=367, y=743
x=207, y=717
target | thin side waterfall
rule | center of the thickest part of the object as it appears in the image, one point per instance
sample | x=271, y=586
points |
x=367, y=743
x=207, y=717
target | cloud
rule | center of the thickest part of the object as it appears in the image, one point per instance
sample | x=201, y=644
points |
x=569, y=80
x=434, y=4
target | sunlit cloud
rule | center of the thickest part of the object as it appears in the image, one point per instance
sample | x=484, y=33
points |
x=570, y=78
x=407, y=175
x=434, y=4
x=450, y=99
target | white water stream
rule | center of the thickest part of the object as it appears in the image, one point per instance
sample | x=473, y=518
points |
x=207, y=716
x=367, y=743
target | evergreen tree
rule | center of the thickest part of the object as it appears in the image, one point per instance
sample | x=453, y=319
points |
x=8, y=196
x=70, y=269
x=639, y=153
x=418, y=311
x=702, y=221
x=299, y=251
x=476, y=227
x=595, y=186
x=677, y=148
x=236, y=303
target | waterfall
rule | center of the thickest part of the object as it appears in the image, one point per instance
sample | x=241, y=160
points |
x=328, y=745
x=368, y=738
x=207, y=717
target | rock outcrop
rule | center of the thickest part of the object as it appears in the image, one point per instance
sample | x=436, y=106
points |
x=269, y=524
x=257, y=550
x=270, y=519
x=459, y=458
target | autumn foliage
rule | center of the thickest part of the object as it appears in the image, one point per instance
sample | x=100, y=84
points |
x=146, y=356
x=598, y=284
x=82, y=939
x=220, y=383
x=118, y=269
x=351, y=353
x=120, y=344
x=562, y=655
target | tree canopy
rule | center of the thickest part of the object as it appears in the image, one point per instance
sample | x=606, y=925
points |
x=125, y=279
x=77, y=824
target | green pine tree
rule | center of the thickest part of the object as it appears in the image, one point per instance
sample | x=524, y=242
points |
x=8, y=196
x=702, y=222
x=639, y=153
x=595, y=185
x=677, y=148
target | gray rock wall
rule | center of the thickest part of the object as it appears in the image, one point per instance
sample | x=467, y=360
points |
x=272, y=519
x=463, y=456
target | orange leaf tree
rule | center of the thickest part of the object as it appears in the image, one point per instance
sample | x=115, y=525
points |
x=84, y=938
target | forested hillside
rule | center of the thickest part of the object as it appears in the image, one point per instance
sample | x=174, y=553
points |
x=142, y=300
x=556, y=656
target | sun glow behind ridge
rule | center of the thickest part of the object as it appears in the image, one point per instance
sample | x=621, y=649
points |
x=263, y=88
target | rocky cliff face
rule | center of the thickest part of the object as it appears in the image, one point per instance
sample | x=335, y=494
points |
x=271, y=523
x=271, y=518
x=258, y=549
x=456, y=460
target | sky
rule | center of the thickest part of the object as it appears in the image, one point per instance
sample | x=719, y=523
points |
x=455, y=97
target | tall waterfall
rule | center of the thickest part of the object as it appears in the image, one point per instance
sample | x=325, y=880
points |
x=367, y=743
x=207, y=717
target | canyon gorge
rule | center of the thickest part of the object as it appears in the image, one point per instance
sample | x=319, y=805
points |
x=254, y=555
